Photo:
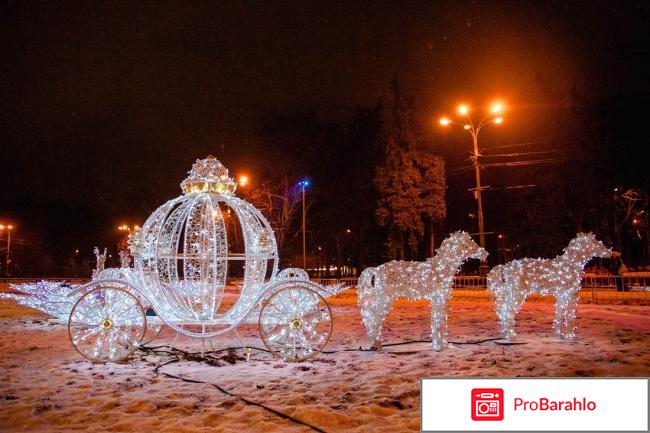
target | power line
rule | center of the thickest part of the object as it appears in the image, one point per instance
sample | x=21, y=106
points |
x=521, y=153
x=514, y=187
x=516, y=145
x=522, y=163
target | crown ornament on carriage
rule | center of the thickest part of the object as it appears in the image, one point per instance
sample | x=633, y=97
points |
x=208, y=175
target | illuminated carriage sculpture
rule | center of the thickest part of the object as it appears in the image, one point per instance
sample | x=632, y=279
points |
x=185, y=257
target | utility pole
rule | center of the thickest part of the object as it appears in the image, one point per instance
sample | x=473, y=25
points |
x=493, y=117
x=8, y=258
x=304, y=237
x=647, y=229
x=477, y=170
x=304, y=184
x=8, y=251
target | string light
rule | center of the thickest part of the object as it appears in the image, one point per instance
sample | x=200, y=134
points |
x=101, y=260
x=379, y=287
x=509, y=285
x=125, y=259
x=49, y=297
x=182, y=258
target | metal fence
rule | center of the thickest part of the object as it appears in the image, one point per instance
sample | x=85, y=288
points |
x=631, y=288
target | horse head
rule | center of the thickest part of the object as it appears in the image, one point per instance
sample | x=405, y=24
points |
x=585, y=246
x=458, y=247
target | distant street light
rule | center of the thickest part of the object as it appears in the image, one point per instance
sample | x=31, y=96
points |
x=497, y=107
x=243, y=180
x=127, y=228
x=304, y=184
x=474, y=129
x=9, y=228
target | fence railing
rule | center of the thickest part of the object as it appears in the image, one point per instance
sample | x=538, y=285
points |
x=630, y=288
x=594, y=289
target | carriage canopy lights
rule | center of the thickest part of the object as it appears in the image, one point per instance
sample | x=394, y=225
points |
x=208, y=176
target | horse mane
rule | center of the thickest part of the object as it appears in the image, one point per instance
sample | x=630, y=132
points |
x=445, y=251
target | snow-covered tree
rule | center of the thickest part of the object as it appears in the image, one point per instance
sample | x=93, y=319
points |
x=410, y=182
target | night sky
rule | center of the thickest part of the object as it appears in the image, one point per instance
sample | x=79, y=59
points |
x=106, y=105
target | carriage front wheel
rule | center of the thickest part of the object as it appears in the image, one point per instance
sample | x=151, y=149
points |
x=107, y=324
x=295, y=323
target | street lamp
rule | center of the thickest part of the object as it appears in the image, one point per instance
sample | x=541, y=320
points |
x=493, y=116
x=243, y=180
x=9, y=228
x=127, y=228
x=304, y=184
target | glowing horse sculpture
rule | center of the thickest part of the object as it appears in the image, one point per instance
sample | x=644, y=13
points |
x=510, y=284
x=379, y=287
x=101, y=259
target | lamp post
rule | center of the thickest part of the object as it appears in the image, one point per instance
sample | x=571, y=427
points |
x=127, y=228
x=9, y=228
x=304, y=184
x=123, y=243
x=493, y=116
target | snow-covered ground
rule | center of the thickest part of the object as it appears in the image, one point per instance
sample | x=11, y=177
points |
x=45, y=386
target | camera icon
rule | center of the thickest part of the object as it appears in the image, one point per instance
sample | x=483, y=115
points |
x=487, y=404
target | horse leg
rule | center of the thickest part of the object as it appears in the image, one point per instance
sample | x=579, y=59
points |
x=373, y=318
x=565, y=314
x=506, y=311
x=438, y=324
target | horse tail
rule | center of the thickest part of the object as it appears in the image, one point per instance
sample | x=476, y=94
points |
x=366, y=296
x=365, y=285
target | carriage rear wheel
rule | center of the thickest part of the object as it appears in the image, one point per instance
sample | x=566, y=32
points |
x=295, y=323
x=154, y=326
x=107, y=324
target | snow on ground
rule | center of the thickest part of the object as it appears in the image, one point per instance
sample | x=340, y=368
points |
x=45, y=386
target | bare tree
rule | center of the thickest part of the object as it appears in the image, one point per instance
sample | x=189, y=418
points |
x=279, y=204
x=627, y=204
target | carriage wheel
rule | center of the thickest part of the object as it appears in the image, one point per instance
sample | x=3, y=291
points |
x=154, y=327
x=107, y=324
x=295, y=323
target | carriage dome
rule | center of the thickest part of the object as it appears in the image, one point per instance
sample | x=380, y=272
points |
x=207, y=243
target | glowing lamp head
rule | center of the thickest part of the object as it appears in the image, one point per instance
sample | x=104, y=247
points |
x=243, y=180
x=444, y=121
x=304, y=183
x=497, y=107
x=467, y=126
x=498, y=120
x=463, y=109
